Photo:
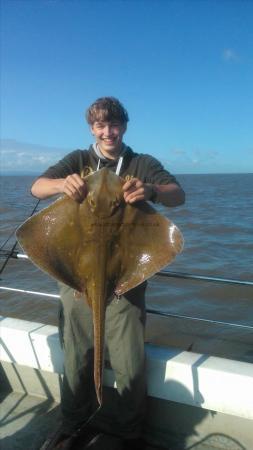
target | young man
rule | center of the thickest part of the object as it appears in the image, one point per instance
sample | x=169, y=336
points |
x=146, y=179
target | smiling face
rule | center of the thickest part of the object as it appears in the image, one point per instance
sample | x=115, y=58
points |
x=109, y=137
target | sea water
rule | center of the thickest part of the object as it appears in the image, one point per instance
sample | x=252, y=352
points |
x=217, y=224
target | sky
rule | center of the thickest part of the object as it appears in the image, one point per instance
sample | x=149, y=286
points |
x=182, y=69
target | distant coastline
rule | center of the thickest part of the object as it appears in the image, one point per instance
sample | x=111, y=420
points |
x=20, y=173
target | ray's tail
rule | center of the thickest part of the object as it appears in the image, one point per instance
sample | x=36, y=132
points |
x=99, y=299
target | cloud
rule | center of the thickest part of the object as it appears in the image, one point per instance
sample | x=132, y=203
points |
x=229, y=55
x=195, y=160
x=27, y=157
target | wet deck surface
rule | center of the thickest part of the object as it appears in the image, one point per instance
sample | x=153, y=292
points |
x=26, y=421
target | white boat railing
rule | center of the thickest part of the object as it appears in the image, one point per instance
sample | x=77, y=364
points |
x=149, y=310
x=153, y=310
x=163, y=273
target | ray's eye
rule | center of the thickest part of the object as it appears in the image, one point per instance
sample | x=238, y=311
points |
x=91, y=201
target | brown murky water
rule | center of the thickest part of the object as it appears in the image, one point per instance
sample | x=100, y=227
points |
x=217, y=226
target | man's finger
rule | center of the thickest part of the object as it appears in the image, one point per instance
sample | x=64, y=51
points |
x=75, y=188
x=75, y=181
x=134, y=196
x=128, y=184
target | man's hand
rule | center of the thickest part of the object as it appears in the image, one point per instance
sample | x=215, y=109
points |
x=135, y=190
x=75, y=187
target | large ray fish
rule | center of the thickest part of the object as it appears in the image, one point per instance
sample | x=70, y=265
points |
x=100, y=247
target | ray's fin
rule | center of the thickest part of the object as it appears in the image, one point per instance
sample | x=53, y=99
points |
x=153, y=242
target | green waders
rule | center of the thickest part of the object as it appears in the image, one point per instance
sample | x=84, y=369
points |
x=124, y=338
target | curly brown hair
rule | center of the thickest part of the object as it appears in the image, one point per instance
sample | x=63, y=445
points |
x=106, y=109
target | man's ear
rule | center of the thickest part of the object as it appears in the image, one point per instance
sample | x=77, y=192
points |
x=91, y=129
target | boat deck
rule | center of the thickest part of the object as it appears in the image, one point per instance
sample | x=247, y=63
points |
x=192, y=400
x=27, y=420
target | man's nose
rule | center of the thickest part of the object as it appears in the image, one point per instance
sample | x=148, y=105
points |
x=107, y=130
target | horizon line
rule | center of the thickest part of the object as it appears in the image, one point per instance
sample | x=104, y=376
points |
x=37, y=174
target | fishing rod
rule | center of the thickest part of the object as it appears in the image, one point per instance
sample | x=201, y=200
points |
x=164, y=273
x=149, y=310
x=10, y=253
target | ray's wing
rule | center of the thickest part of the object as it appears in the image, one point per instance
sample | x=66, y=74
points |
x=148, y=242
x=51, y=239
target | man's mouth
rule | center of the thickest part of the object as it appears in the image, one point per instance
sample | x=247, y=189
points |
x=109, y=141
